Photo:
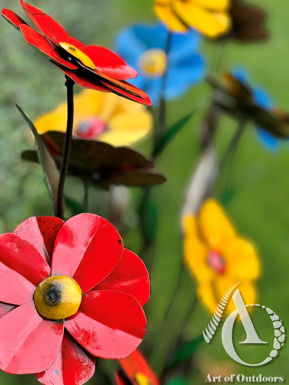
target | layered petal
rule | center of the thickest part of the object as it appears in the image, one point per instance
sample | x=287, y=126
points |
x=73, y=366
x=48, y=26
x=130, y=276
x=109, y=324
x=87, y=248
x=28, y=343
x=15, y=289
x=196, y=251
x=41, y=233
x=215, y=227
x=109, y=62
x=20, y=256
x=167, y=16
x=211, y=24
x=214, y=5
x=37, y=40
x=12, y=18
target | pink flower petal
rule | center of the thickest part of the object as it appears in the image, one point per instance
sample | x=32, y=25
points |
x=87, y=248
x=41, y=233
x=73, y=366
x=130, y=276
x=110, y=324
x=21, y=256
x=28, y=343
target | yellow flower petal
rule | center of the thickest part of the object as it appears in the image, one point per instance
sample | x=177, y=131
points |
x=128, y=128
x=211, y=24
x=215, y=227
x=215, y=5
x=167, y=16
x=242, y=260
x=195, y=251
x=207, y=296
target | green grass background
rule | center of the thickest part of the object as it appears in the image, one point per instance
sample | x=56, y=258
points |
x=260, y=179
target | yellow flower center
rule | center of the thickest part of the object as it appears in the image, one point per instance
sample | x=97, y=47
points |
x=142, y=379
x=57, y=297
x=216, y=262
x=78, y=54
x=153, y=63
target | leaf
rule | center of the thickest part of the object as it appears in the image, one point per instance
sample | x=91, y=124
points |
x=50, y=170
x=186, y=351
x=170, y=134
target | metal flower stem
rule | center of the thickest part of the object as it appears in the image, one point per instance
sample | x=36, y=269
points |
x=163, y=103
x=66, y=148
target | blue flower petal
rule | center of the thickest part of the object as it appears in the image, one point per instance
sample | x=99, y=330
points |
x=262, y=98
x=269, y=140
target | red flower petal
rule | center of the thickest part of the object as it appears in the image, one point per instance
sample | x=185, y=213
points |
x=87, y=248
x=15, y=289
x=110, y=324
x=136, y=363
x=109, y=62
x=5, y=309
x=130, y=276
x=48, y=26
x=21, y=256
x=28, y=343
x=73, y=366
x=35, y=39
x=12, y=18
x=41, y=233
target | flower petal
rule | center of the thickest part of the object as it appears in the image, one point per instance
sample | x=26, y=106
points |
x=21, y=256
x=130, y=276
x=28, y=343
x=15, y=289
x=167, y=16
x=12, y=18
x=215, y=226
x=195, y=251
x=35, y=39
x=41, y=233
x=48, y=26
x=215, y=5
x=87, y=248
x=209, y=23
x=109, y=62
x=5, y=309
x=110, y=324
x=73, y=366
x=242, y=260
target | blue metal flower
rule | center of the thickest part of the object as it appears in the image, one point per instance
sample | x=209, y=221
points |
x=143, y=47
x=264, y=101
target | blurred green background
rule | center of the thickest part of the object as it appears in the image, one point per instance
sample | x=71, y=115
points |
x=259, y=206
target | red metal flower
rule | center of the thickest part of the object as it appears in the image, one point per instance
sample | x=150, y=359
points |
x=135, y=371
x=69, y=292
x=89, y=66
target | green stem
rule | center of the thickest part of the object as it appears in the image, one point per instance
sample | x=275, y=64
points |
x=66, y=148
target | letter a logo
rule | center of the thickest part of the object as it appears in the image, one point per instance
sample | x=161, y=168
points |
x=252, y=336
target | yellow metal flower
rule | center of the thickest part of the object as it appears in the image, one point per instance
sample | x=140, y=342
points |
x=210, y=17
x=218, y=257
x=103, y=116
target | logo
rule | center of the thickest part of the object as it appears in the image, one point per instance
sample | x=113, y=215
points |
x=252, y=336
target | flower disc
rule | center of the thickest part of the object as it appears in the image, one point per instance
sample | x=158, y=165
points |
x=57, y=297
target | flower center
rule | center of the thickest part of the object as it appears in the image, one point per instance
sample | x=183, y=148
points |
x=142, y=379
x=91, y=128
x=78, y=54
x=216, y=262
x=57, y=297
x=153, y=63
